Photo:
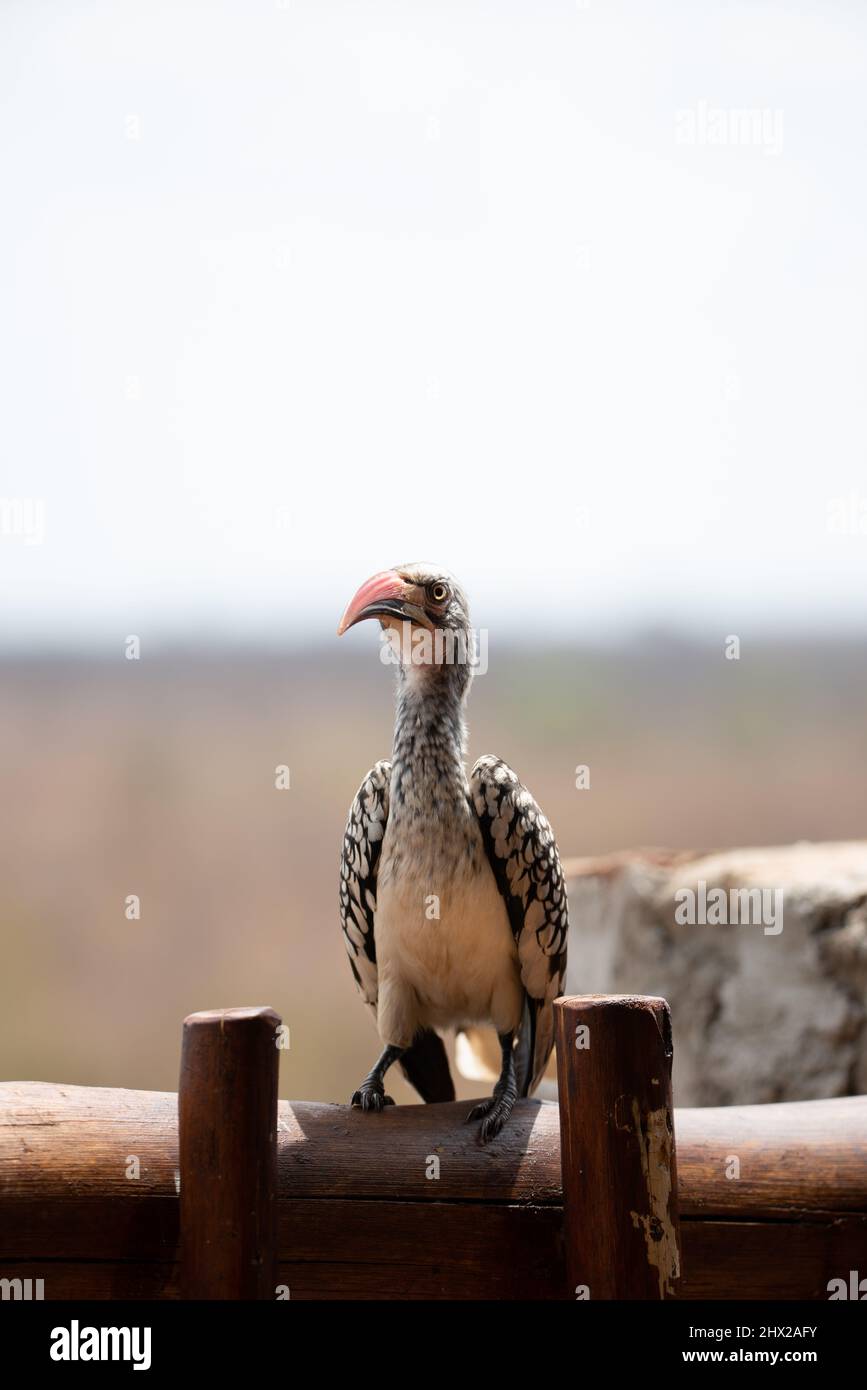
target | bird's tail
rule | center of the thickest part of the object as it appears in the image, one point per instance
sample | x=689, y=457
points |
x=426, y=1067
x=524, y=1051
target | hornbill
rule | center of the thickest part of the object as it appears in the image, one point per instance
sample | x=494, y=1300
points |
x=452, y=899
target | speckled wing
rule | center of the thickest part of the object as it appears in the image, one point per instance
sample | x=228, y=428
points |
x=523, y=855
x=362, y=842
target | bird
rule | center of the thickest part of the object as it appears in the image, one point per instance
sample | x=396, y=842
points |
x=452, y=899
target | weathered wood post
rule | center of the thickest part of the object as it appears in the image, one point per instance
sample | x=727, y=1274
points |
x=614, y=1057
x=227, y=1142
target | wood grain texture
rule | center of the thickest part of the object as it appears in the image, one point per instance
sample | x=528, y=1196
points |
x=65, y=1143
x=398, y=1251
x=227, y=1148
x=621, y=1221
x=796, y=1217
x=770, y=1259
x=792, y=1158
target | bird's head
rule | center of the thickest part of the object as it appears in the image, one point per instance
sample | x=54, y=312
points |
x=426, y=614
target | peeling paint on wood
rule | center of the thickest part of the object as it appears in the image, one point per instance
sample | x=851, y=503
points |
x=656, y=1142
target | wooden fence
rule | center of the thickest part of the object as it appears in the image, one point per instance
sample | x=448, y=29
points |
x=222, y=1192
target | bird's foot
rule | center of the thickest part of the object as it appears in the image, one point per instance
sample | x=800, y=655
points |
x=371, y=1096
x=494, y=1112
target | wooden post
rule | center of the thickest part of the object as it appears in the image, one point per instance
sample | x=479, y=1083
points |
x=617, y=1149
x=227, y=1142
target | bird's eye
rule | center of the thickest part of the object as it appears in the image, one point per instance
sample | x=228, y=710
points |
x=439, y=592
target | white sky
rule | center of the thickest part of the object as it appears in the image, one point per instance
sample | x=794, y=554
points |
x=412, y=280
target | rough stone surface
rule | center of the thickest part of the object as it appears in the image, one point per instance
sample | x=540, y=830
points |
x=757, y=1017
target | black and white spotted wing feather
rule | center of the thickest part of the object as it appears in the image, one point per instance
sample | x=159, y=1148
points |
x=362, y=842
x=523, y=855
x=425, y=1063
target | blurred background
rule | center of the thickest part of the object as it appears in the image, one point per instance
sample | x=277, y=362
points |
x=566, y=297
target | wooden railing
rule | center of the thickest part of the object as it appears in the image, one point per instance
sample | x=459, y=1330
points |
x=102, y=1197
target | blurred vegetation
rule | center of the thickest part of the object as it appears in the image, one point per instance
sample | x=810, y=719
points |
x=156, y=778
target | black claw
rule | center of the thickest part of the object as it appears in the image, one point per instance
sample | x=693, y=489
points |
x=496, y=1115
x=479, y=1111
x=491, y=1127
x=370, y=1098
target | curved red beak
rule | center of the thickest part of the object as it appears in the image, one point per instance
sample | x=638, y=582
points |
x=383, y=595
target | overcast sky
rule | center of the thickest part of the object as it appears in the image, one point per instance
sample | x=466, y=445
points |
x=570, y=297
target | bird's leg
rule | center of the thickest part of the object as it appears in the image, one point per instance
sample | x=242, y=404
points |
x=371, y=1093
x=496, y=1111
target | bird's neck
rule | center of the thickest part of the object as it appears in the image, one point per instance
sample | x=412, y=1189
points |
x=428, y=770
